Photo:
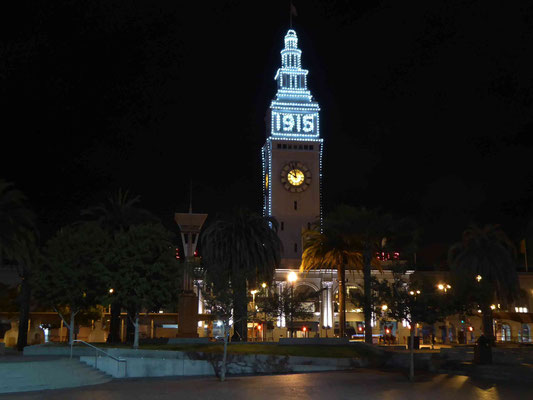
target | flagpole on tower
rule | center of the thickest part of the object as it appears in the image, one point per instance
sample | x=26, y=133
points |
x=292, y=11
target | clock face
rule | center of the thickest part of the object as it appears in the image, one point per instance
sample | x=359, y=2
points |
x=295, y=177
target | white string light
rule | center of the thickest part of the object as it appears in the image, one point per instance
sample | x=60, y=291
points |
x=294, y=116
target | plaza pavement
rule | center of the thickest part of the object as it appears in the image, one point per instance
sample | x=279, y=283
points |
x=356, y=384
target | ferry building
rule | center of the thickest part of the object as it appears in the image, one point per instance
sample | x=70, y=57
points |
x=292, y=192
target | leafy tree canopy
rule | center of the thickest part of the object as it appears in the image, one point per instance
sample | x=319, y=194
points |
x=489, y=254
x=17, y=225
x=146, y=274
x=72, y=272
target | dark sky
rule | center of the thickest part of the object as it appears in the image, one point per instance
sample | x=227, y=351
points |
x=426, y=105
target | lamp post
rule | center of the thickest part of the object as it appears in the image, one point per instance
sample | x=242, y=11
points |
x=264, y=321
x=292, y=277
x=412, y=324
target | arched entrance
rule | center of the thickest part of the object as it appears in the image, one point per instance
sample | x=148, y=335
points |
x=524, y=335
x=306, y=304
x=504, y=333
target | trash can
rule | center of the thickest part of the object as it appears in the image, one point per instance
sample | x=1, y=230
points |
x=416, y=343
x=482, y=351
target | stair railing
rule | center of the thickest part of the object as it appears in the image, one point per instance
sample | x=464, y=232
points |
x=97, y=349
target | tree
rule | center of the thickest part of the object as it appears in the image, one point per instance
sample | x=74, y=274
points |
x=219, y=301
x=72, y=275
x=146, y=274
x=8, y=296
x=484, y=270
x=242, y=249
x=285, y=303
x=414, y=301
x=332, y=249
x=18, y=246
x=117, y=213
x=350, y=240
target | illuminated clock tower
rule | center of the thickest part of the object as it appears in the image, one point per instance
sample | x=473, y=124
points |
x=292, y=155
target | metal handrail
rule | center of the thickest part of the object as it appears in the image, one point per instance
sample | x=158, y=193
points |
x=117, y=359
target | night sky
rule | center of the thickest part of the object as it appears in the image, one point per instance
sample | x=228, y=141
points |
x=426, y=105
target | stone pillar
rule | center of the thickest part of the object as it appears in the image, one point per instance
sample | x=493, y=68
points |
x=281, y=318
x=187, y=315
x=200, y=297
x=326, y=312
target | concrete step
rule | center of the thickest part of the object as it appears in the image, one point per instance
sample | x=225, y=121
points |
x=51, y=374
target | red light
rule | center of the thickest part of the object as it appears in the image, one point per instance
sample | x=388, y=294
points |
x=259, y=327
x=471, y=329
x=387, y=331
x=360, y=329
x=304, y=329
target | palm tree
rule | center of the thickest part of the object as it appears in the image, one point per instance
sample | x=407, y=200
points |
x=117, y=214
x=350, y=240
x=332, y=249
x=120, y=211
x=18, y=245
x=485, y=261
x=240, y=251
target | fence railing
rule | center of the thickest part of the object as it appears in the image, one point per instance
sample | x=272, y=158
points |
x=98, y=350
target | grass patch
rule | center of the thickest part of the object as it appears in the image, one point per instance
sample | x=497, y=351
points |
x=348, y=351
x=270, y=349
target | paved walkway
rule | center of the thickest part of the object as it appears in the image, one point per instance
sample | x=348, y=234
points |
x=362, y=384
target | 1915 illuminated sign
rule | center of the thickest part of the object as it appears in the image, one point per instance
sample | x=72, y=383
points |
x=284, y=122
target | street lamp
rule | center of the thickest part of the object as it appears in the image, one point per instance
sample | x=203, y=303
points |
x=443, y=287
x=292, y=277
x=253, y=292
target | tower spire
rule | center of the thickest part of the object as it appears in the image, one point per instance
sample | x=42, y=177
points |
x=294, y=111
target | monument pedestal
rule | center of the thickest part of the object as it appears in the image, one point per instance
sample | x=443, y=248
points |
x=188, y=315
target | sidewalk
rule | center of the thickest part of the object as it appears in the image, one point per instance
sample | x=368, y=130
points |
x=355, y=384
x=522, y=373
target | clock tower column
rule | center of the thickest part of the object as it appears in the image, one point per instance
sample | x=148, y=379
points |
x=292, y=155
